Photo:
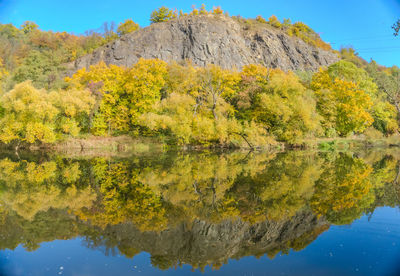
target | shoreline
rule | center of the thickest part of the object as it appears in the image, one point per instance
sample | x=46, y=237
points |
x=126, y=145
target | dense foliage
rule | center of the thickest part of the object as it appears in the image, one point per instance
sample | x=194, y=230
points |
x=29, y=53
x=184, y=104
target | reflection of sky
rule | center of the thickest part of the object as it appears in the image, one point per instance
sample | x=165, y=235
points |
x=365, y=24
x=363, y=248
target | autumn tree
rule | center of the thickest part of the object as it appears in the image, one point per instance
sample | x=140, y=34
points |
x=162, y=14
x=278, y=101
x=3, y=74
x=128, y=26
x=106, y=82
x=74, y=107
x=274, y=22
x=31, y=115
x=124, y=93
x=28, y=115
x=388, y=83
x=29, y=26
x=343, y=104
x=143, y=86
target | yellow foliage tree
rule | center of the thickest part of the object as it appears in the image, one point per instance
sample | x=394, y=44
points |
x=278, y=101
x=74, y=107
x=28, y=115
x=343, y=105
x=128, y=26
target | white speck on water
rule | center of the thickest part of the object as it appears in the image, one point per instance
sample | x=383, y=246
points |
x=61, y=267
x=135, y=266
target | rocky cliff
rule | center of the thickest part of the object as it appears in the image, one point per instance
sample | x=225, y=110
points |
x=211, y=39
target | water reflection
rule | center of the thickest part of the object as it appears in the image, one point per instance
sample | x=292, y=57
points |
x=199, y=208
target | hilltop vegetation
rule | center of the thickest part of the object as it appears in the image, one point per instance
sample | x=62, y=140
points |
x=183, y=104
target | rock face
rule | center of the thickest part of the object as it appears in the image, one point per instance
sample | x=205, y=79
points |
x=210, y=39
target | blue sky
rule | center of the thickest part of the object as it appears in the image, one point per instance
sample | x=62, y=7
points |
x=363, y=24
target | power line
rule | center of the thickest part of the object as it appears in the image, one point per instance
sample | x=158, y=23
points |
x=364, y=38
x=363, y=41
x=379, y=48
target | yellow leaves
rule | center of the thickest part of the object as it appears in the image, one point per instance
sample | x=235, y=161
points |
x=34, y=115
x=217, y=81
x=28, y=115
x=217, y=10
x=259, y=72
x=344, y=191
x=261, y=19
x=162, y=14
x=145, y=81
x=38, y=173
x=274, y=22
x=123, y=94
x=3, y=73
x=128, y=26
x=38, y=131
x=343, y=104
x=28, y=101
x=279, y=102
x=72, y=102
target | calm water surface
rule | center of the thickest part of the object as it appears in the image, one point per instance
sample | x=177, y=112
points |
x=238, y=213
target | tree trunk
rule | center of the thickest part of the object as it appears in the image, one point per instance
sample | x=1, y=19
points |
x=214, y=107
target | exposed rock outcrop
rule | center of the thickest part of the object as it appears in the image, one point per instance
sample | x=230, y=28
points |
x=210, y=39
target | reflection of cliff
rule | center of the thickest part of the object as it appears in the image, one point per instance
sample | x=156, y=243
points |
x=202, y=243
x=198, y=243
x=198, y=208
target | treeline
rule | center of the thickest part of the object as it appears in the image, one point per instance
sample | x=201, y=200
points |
x=184, y=104
x=28, y=53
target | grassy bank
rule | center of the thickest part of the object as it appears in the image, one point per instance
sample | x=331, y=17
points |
x=354, y=142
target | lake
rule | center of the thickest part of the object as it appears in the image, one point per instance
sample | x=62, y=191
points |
x=201, y=213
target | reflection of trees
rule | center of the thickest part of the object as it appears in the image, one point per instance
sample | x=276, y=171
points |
x=214, y=206
x=280, y=190
x=124, y=198
x=198, y=184
x=29, y=187
x=343, y=192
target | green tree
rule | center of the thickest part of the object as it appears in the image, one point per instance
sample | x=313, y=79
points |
x=388, y=83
